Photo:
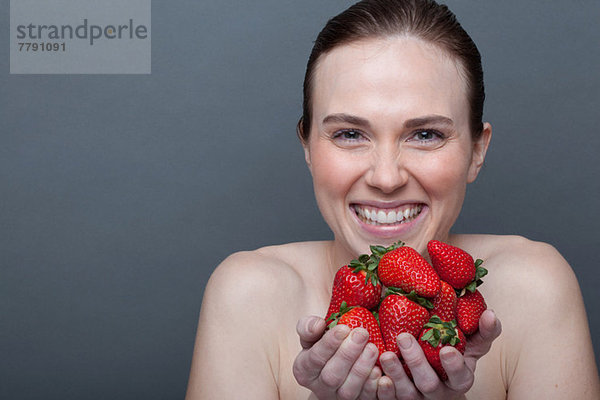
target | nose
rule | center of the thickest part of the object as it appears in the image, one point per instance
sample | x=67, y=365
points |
x=387, y=172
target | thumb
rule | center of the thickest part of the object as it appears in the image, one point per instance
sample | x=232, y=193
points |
x=489, y=329
x=310, y=329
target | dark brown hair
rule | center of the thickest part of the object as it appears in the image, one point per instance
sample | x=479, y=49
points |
x=422, y=19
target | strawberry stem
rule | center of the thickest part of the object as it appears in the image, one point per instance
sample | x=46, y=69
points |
x=480, y=272
x=368, y=263
x=422, y=301
x=441, y=331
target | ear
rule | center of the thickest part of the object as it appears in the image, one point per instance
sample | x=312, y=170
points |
x=480, y=147
x=307, y=155
x=299, y=132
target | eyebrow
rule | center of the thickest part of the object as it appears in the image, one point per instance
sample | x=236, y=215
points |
x=346, y=118
x=428, y=120
x=411, y=123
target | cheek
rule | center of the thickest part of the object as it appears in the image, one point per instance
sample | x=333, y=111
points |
x=444, y=176
x=331, y=174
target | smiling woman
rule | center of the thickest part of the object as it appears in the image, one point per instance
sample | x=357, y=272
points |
x=392, y=135
x=386, y=121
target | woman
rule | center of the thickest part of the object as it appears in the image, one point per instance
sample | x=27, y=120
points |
x=392, y=125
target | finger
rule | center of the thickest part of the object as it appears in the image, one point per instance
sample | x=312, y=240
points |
x=460, y=377
x=480, y=342
x=309, y=363
x=489, y=325
x=403, y=387
x=310, y=329
x=424, y=377
x=385, y=389
x=336, y=370
x=359, y=373
x=369, y=390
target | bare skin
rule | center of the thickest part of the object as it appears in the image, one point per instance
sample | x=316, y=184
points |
x=247, y=340
x=391, y=135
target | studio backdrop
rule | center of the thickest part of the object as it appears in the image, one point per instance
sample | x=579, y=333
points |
x=123, y=189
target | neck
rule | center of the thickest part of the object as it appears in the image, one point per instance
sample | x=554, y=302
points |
x=338, y=256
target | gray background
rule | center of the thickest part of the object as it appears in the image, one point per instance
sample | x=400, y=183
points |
x=120, y=194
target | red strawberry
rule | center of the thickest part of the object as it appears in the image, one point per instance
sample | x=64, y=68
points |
x=437, y=335
x=444, y=304
x=454, y=265
x=353, y=287
x=405, y=268
x=398, y=314
x=469, y=308
x=356, y=317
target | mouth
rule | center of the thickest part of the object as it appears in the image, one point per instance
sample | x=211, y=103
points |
x=387, y=216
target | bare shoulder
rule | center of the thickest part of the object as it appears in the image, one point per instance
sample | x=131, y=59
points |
x=535, y=293
x=525, y=275
x=250, y=307
x=255, y=270
x=265, y=275
x=519, y=261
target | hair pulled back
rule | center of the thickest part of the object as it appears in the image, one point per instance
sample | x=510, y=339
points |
x=421, y=19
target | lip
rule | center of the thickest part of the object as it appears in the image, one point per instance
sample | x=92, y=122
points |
x=393, y=231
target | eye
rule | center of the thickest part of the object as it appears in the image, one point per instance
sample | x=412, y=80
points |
x=348, y=135
x=427, y=135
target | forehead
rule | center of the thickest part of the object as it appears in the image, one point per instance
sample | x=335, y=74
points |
x=399, y=76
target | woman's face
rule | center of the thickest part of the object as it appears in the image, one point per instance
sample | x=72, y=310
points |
x=390, y=150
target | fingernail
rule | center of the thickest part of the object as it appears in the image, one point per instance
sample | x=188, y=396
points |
x=342, y=332
x=312, y=324
x=359, y=336
x=404, y=342
x=373, y=375
x=371, y=349
x=449, y=356
x=385, y=358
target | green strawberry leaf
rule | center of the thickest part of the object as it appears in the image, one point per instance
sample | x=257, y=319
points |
x=422, y=301
x=480, y=272
x=374, y=280
x=449, y=324
x=471, y=287
x=427, y=335
x=396, y=245
x=378, y=250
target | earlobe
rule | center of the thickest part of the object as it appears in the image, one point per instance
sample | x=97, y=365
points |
x=479, y=151
x=306, y=155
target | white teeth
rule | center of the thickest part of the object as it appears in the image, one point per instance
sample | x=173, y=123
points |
x=391, y=217
x=399, y=216
x=379, y=217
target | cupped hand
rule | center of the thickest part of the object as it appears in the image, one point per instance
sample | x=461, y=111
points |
x=338, y=363
x=460, y=369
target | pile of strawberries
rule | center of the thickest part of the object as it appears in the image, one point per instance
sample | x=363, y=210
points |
x=437, y=303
